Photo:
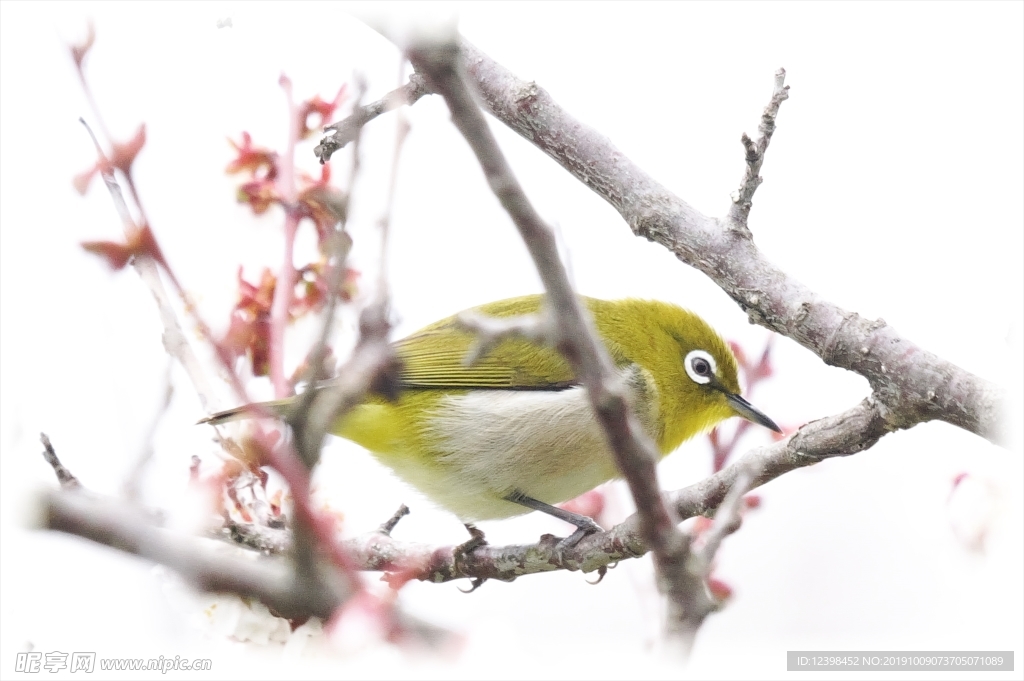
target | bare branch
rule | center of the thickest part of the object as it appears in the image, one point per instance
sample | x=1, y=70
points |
x=492, y=330
x=695, y=602
x=309, y=435
x=741, y=199
x=911, y=384
x=133, y=481
x=373, y=367
x=392, y=522
x=64, y=476
x=270, y=541
x=346, y=129
x=727, y=519
x=210, y=567
x=284, y=289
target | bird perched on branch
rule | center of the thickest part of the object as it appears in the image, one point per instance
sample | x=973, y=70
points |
x=515, y=430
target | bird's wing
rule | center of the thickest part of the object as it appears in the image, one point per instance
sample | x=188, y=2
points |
x=433, y=358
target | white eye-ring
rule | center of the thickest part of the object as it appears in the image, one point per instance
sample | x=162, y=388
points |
x=700, y=365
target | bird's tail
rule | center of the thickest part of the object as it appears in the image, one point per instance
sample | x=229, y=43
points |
x=274, y=408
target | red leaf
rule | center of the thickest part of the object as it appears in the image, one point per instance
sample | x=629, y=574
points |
x=140, y=244
x=84, y=179
x=253, y=159
x=124, y=153
x=122, y=158
x=116, y=254
x=719, y=589
x=249, y=329
x=259, y=194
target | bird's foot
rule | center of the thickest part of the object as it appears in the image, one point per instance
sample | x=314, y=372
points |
x=584, y=525
x=475, y=541
x=584, y=528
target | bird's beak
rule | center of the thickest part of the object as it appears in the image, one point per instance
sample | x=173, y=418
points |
x=749, y=412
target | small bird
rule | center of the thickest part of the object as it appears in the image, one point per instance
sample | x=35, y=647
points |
x=515, y=431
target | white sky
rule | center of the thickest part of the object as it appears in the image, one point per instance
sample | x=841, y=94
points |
x=893, y=187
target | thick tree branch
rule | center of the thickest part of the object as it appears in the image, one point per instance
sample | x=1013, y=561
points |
x=910, y=384
x=208, y=566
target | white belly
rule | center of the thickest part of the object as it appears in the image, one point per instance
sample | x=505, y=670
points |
x=548, y=445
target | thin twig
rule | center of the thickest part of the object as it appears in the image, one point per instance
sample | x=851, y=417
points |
x=284, y=289
x=726, y=519
x=401, y=133
x=64, y=476
x=696, y=601
x=373, y=365
x=133, y=481
x=741, y=199
x=489, y=331
x=309, y=436
x=346, y=130
x=392, y=522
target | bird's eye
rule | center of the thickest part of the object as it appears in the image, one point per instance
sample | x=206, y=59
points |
x=700, y=366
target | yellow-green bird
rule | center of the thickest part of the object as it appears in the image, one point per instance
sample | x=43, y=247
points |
x=515, y=431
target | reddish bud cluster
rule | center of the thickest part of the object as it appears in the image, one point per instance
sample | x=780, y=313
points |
x=250, y=332
x=324, y=111
x=240, y=484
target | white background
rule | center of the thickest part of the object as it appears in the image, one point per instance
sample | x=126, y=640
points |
x=893, y=187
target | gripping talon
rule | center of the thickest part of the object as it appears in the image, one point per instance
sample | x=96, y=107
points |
x=575, y=538
x=477, y=582
x=601, y=572
x=475, y=541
